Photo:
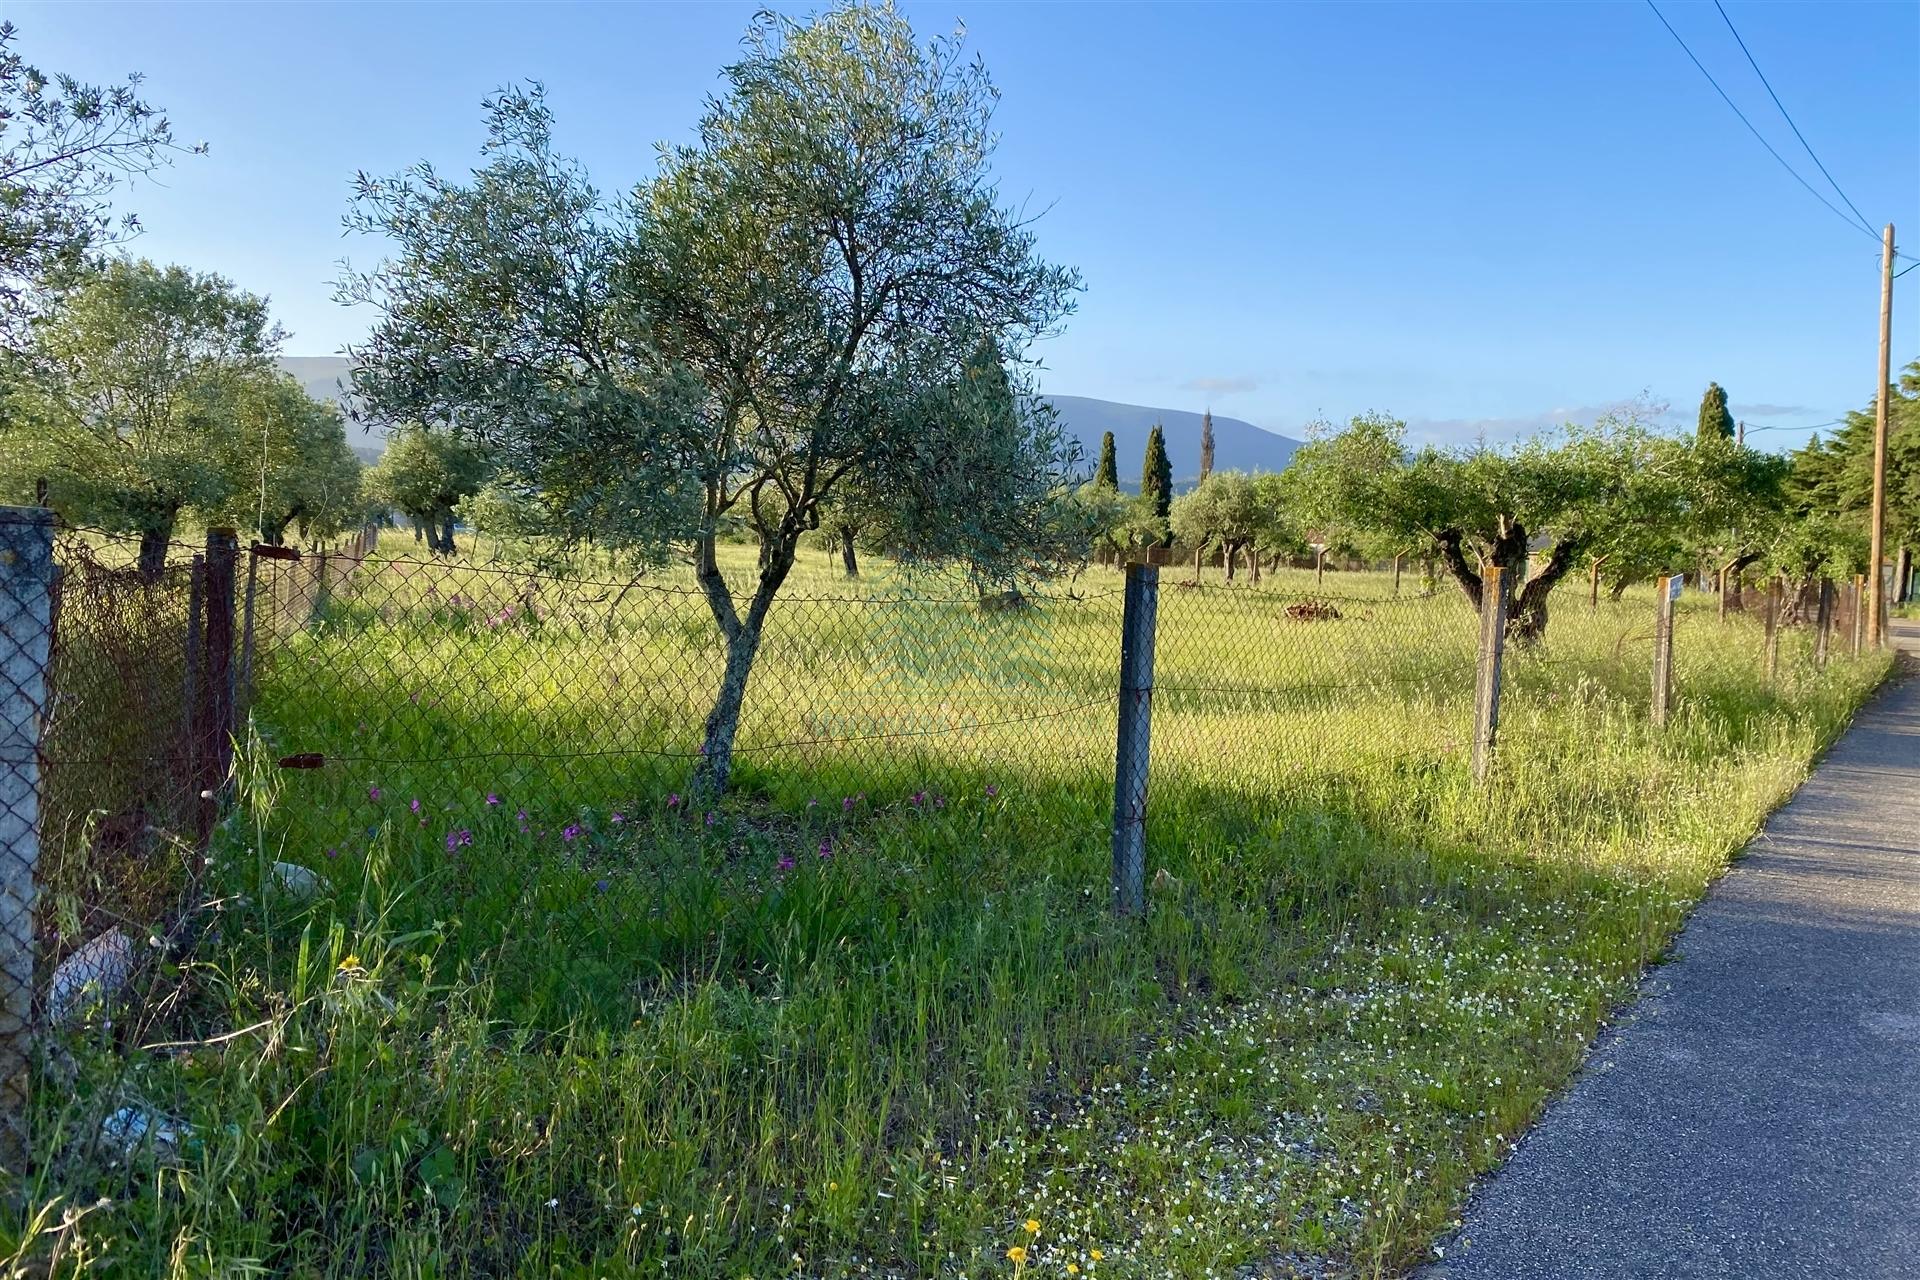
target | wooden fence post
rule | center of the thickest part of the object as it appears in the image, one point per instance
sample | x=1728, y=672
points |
x=1663, y=647
x=319, y=586
x=1397, y=556
x=1771, y=648
x=1823, y=622
x=26, y=647
x=1132, y=751
x=1493, y=647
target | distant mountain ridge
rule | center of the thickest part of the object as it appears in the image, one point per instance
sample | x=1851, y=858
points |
x=1238, y=445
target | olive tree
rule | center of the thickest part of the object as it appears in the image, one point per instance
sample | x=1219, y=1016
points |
x=64, y=146
x=1224, y=510
x=290, y=461
x=823, y=289
x=1535, y=509
x=426, y=474
x=129, y=411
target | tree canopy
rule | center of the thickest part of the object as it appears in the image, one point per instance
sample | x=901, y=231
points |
x=822, y=289
x=64, y=147
x=130, y=412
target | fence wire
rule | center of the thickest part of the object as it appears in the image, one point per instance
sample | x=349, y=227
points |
x=508, y=760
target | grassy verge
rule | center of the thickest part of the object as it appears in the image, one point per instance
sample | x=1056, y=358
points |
x=872, y=1015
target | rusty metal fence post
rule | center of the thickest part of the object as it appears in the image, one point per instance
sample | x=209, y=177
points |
x=1132, y=750
x=26, y=642
x=216, y=718
x=1486, y=687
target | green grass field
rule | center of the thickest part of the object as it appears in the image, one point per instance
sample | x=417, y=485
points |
x=872, y=1015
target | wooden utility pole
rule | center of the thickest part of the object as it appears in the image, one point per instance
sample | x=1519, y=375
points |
x=1878, y=550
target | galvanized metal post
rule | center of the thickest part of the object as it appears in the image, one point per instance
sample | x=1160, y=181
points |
x=1132, y=750
x=26, y=647
x=1493, y=647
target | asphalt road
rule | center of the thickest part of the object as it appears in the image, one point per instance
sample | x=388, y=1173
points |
x=1757, y=1112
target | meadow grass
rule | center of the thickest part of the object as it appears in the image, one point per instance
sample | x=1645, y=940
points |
x=872, y=1014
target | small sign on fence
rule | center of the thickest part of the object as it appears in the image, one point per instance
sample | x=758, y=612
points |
x=1674, y=584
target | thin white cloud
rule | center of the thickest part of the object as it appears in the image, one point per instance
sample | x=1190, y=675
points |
x=1219, y=386
x=1773, y=410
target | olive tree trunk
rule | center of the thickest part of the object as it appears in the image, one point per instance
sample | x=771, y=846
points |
x=741, y=632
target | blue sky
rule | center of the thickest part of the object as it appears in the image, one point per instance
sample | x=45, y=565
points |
x=1478, y=217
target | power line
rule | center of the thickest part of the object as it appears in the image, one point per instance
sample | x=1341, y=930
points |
x=1861, y=227
x=1789, y=119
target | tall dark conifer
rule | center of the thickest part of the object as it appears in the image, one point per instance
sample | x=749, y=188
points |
x=1156, y=472
x=1108, y=472
x=1206, y=444
x=1716, y=420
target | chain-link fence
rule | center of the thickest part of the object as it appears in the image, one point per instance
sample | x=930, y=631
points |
x=511, y=759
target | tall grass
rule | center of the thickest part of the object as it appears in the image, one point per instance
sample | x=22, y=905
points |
x=873, y=1016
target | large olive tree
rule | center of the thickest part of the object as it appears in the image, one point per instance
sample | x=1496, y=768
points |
x=129, y=411
x=822, y=289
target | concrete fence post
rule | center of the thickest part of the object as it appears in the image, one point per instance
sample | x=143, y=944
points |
x=26, y=647
x=1859, y=611
x=1132, y=750
x=1823, y=622
x=1486, y=688
x=1663, y=647
x=1770, y=649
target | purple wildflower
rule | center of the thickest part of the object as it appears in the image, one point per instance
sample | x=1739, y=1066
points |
x=919, y=798
x=826, y=847
x=939, y=802
x=846, y=806
x=992, y=791
x=601, y=885
x=709, y=817
x=414, y=805
x=673, y=801
x=333, y=853
x=786, y=862
x=618, y=817
x=373, y=793
x=492, y=799
x=459, y=839
x=570, y=832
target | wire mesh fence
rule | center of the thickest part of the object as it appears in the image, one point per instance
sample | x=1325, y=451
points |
x=508, y=759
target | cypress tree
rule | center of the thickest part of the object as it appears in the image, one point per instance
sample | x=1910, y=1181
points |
x=1716, y=420
x=1206, y=444
x=1107, y=474
x=1156, y=473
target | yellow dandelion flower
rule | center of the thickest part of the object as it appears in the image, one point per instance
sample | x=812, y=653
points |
x=1073, y=1268
x=351, y=962
x=1033, y=1226
x=1018, y=1253
x=1095, y=1254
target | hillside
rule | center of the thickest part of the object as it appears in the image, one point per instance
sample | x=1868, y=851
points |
x=1238, y=446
